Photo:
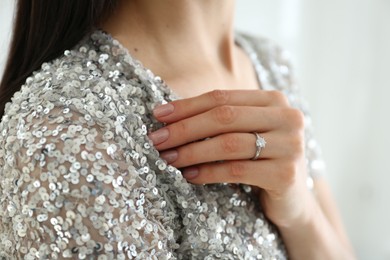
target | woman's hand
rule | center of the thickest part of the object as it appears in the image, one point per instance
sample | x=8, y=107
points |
x=211, y=136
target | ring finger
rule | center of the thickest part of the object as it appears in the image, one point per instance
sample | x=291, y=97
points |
x=231, y=146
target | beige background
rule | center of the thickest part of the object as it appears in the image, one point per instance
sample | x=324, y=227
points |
x=340, y=49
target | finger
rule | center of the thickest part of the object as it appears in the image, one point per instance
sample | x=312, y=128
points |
x=231, y=146
x=266, y=174
x=185, y=108
x=224, y=119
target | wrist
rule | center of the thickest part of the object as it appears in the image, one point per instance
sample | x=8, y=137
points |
x=310, y=215
x=295, y=213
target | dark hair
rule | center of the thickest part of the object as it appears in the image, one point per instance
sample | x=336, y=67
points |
x=43, y=30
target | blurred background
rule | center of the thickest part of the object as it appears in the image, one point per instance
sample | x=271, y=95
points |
x=341, y=53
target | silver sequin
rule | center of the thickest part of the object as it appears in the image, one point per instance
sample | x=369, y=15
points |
x=80, y=178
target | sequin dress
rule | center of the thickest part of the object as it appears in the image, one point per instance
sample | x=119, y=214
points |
x=80, y=179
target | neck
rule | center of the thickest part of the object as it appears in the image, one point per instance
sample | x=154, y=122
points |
x=179, y=35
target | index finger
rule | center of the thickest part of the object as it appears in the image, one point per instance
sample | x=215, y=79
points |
x=184, y=108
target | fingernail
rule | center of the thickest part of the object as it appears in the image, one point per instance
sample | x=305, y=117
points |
x=169, y=156
x=191, y=173
x=159, y=136
x=163, y=110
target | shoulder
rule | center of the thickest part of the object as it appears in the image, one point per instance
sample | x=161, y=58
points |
x=85, y=87
x=87, y=79
x=76, y=132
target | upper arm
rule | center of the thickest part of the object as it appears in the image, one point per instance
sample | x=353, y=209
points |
x=75, y=190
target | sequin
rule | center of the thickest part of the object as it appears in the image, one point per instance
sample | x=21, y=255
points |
x=80, y=178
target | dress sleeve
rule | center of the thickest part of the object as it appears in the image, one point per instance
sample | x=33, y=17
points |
x=75, y=187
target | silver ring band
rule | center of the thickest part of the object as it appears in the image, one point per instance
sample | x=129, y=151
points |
x=260, y=144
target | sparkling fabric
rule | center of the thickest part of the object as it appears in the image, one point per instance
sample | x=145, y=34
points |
x=80, y=179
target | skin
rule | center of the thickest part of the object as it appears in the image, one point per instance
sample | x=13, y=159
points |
x=165, y=36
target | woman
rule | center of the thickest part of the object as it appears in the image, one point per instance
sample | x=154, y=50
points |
x=94, y=166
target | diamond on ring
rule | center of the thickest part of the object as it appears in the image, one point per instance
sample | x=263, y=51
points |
x=260, y=144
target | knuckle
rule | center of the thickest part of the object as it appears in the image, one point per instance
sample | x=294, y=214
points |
x=230, y=143
x=287, y=174
x=187, y=155
x=237, y=170
x=296, y=145
x=225, y=114
x=181, y=128
x=296, y=118
x=220, y=96
x=278, y=97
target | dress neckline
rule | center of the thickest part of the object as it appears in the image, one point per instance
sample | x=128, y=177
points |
x=148, y=75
